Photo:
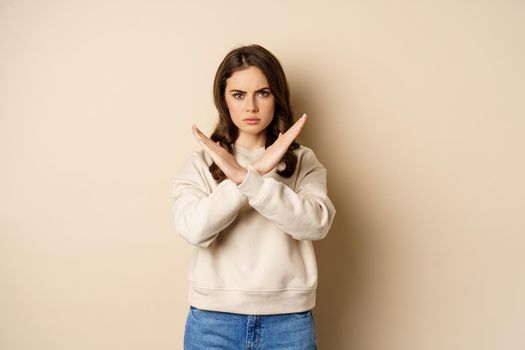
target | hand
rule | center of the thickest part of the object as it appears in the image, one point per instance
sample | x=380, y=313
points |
x=273, y=154
x=224, y=160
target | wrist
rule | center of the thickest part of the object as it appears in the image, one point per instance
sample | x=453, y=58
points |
x=256, y=167
x=241, y=176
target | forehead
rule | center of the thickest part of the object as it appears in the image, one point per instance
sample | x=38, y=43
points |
x=251, y=78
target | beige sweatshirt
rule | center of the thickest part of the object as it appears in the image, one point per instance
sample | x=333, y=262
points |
x=253, y=241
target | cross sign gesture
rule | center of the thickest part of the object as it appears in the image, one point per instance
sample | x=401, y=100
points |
x=269, y=160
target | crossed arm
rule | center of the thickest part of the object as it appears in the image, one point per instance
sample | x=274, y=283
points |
x=306, y=213
x=271, y=157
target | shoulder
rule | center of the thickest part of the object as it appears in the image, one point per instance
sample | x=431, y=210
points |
x=199, y=158
x=194, y=172
x=195, y=164
x=305, y=154
x=307, y=159
x=303, y=150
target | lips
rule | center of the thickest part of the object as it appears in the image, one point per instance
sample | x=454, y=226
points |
x=251, y=121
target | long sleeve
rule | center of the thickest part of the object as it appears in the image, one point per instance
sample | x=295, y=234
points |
x=200, y=214
x=305, y=214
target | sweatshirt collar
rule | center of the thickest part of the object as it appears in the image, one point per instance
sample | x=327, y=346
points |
x=249, y=152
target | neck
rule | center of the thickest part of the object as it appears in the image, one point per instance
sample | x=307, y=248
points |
x=251, y=141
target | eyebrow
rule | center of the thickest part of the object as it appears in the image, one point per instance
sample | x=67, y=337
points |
x=261, y=89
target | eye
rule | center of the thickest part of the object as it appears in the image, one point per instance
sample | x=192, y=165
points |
x=264, y=93
x=237, y=95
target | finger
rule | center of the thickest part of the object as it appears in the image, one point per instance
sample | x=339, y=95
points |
x=292, y=132
x=204, y=141
x=298, y=125
x=212, y=152
x=210, y=146
x=214, y=145
x=201, y=137
x=196, y=131
x=300, y=122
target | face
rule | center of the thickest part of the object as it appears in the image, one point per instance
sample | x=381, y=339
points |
x=248, y=96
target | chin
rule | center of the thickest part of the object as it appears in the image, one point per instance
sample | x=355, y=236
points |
x=253, y=131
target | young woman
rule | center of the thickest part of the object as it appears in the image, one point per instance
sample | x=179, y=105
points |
x=251, y=201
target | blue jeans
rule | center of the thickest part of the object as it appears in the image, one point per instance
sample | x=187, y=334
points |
x=228, y=331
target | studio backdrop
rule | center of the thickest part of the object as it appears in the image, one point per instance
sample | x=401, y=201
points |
x=415, y=108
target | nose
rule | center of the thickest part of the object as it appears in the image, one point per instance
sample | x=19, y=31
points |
x=252, y=106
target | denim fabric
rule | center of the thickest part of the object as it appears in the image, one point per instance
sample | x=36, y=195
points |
x=207, y=330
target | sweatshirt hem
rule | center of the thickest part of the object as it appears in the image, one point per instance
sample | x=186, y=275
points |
x=252, y=302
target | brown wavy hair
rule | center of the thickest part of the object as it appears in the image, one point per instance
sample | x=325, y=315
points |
x=226, y=132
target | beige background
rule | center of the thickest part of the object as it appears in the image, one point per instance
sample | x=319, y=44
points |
x=416, y=109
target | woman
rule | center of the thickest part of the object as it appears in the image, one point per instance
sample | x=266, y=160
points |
x=251, y=201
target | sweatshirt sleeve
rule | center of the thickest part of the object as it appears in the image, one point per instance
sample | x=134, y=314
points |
x=198, y=213
x=306, y=213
